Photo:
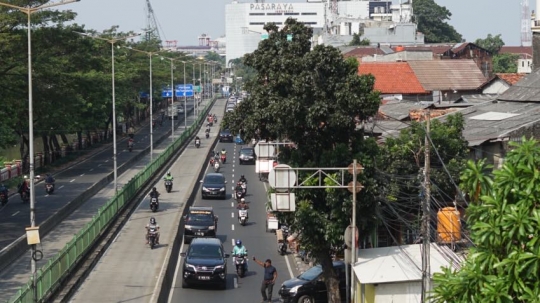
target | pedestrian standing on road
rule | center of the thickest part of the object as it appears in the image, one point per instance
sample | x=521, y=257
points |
x=270, y=276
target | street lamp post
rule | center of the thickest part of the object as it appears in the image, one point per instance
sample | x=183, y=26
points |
x=29, y=11
x=194, y=101
x=185, y=98
x=172, y=95
x=112, y=42
x=150, y=54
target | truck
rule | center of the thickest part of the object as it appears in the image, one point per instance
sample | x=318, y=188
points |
x=172, y=112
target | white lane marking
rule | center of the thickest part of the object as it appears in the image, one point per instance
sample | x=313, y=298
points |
x=100, y=164
x=156, y=288
x=232, y=204
x=289, y=266
x=15, y=214
x=91, y=169
x=81, y=175
x=106, y=161
x=60, y=186
x=233, y=169
x=235, y=282
x=232, y=215
x=71, y=181
x=232, y=226
x=232, y=242
x=233, y=176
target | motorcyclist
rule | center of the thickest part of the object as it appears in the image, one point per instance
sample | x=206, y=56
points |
x=131, y=142
x=197, y=140
x=239, y=250
x=239, y=187
x=24, y=186
x=151, y=224
x=242, y=204
x=223, y=152
x=49, y=179
x=131, y=132
x=242, y=179
x=3, y=190
x=154, y=193
x=168, y=177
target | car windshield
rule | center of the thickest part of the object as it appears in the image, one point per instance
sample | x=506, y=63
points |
x=200, y=218
x=205, y=251
x=225, y=132
x=311, y=274
x=214, y=180
x=248, y=152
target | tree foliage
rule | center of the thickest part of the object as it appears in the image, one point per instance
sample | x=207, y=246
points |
x=491, y=43
x=432, y=22
x=505, y=63
x=313, y=98
x=504, y=265
x=357, y=42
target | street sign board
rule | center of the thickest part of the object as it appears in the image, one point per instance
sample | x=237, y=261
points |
x=183, y=87
x=282, y=177
x=167, y=93
x=187, y=93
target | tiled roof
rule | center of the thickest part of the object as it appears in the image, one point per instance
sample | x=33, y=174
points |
x=525, y=90
x=446, y=75
x=437, y=49
x=511, y=78
x=360, y=52
x=523, y=51
x=392, y=77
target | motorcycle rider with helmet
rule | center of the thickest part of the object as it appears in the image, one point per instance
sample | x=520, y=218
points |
x=151, y=224
x=24, y=186
x=239, y=187
x=242, y=204
x=240, y=250
x=168, y=177
x=154, y=193
x=4, y=191
x=242, y=179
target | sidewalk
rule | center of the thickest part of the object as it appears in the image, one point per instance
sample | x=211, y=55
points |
x=18, y=273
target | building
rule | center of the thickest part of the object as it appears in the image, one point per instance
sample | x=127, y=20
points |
x=331, y=25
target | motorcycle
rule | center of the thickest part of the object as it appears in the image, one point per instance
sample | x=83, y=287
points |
x=154, y=204
x=244, y=187
x=152, y=235
x=241, y=264
x=130, y=145
x=25, y=196
x=242, y=216
x=223, y=158
x=282, y=245
x=239, y=194
x=168, y=185
x=49, y=188
x=197, y=143
x=207, y=133
x=3, y=198
x=216, y=166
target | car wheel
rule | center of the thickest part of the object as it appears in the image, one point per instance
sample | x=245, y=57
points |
x=306, y=299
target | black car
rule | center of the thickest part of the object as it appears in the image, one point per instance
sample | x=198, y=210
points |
x=310, y=286
x=205, y=263
x=247, y=154
x=213, y=185
x=225, y=135
x=199, y=222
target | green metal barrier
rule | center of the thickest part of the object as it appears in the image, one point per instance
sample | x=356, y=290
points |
x=50, y=275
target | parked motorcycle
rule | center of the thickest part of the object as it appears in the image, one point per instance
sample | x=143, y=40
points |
x=152, y=235
x=242, y=216
x=154, y=204
x=49, y=188
x=282, y=245
x=168, y=185
x=197, y=143
x=3, y=199
x=240, y=260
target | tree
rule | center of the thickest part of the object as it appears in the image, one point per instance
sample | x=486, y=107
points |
x=401, y=164
x=432, y=22
x=505, y=63
x=357, y=42
x=491, y=43
x=313, y=98
x=504, y=265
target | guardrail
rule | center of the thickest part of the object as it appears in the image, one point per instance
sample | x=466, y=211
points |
x=50, y=276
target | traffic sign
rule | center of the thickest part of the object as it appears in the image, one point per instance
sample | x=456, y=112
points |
x=167, y=93
x=282, y=177
x=183, y=87
x=187, y=93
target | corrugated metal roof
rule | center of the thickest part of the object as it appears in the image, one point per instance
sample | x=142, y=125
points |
x=494, y=116
x=447, y=75
x=401, y=263
x=525, y=90
x=399, y=110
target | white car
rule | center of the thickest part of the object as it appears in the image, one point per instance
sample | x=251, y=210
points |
x=180, y=109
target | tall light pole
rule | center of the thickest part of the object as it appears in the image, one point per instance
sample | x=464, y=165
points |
x=172, y=96
x=185, y=98
x=112, y=41
x=29, y=11
x=194, y=101
x=150, y=54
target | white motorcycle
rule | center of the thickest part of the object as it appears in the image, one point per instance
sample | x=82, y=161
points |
x=244, y=187
x=242, y=216
x=216, y=166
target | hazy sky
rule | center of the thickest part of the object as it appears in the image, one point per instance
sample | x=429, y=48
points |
x=184, y=21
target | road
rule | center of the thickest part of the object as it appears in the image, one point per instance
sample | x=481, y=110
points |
x=259, y=243
x=129, y=270
x=15, y=216
x=18, y=273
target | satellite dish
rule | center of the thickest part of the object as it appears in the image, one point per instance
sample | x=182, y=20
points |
x=264, y=150
x=282, y=177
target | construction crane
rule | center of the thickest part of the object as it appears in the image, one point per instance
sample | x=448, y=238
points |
x=152, y=26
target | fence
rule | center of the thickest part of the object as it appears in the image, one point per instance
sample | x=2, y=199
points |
x=49, y=276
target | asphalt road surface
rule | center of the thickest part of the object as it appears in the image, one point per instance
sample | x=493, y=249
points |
x=15, y=216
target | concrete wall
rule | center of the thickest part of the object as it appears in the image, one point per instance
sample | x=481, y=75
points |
x=536, y=50
x=403, y=292
x=401, y=33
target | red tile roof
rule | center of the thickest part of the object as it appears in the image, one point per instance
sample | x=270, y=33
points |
x=392, y=77
x=510, y=78
x=437, y=49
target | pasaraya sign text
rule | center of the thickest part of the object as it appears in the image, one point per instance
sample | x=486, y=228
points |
x=276, y=7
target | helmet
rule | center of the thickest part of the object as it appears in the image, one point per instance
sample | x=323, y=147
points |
x=223, y=149
x=154, y=189
x=168, y=173
x=243, y=200
x=238, y=242
x=242, y=177
x=152, y=220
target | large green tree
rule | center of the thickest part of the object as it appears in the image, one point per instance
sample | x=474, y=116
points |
x=491, y=43
x=432, y=22
x=505, y=63
x=313, y=98
x=504, y=264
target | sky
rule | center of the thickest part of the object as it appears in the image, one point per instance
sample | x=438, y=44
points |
x=184, y=21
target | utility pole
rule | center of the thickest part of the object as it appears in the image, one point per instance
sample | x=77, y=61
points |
x=426, y=270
